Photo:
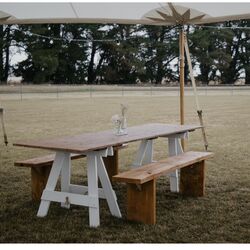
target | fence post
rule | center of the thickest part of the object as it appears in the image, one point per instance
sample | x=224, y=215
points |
x=90, y=91
x=21, y=91
x=57, y=91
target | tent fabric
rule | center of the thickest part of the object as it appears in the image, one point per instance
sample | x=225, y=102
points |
x=122, y=13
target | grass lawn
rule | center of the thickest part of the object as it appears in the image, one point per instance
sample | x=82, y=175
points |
x=221, y=216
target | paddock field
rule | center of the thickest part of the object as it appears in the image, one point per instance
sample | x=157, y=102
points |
x=221, y=216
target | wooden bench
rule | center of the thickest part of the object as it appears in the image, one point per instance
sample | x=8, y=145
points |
x=141, y=183
x=41, y=166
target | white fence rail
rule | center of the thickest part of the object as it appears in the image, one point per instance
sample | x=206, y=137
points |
x=21, y=92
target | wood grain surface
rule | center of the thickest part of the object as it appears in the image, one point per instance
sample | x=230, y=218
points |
x=141, y=203
x=100, y=140
x=151, y=171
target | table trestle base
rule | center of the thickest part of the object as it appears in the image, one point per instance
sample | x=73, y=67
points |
x=77, y=189
x=63, y=197
x=80, y=195
x=145, y=156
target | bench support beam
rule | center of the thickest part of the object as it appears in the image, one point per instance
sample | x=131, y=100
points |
x=141, y=202
x=111, y=163
x=39, y=178
x=192, y=180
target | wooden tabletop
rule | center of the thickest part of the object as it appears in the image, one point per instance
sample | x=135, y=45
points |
x=103, y=139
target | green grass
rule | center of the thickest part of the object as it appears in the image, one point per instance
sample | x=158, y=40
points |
x=221, y=216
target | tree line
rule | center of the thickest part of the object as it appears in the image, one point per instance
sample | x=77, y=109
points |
x=123, y=54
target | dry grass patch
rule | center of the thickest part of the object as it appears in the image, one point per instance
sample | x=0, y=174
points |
x=221, y=216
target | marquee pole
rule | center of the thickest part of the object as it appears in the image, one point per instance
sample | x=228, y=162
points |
x=182, y=80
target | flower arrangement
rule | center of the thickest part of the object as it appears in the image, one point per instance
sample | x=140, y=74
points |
x=120, y=121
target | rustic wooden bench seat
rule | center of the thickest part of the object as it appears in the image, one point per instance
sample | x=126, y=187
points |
x=141, y=183
x=42, y=161
x=40, y=169
x=41, y=166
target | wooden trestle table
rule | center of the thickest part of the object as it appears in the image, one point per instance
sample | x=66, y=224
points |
x=96, y=146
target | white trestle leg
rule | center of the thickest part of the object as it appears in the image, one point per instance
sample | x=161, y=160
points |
x=80, y=195
x=94, y=216
x=65, y=179
x=175, y=148
x=148, y=157
x=144, y=153
x=51, y=183
x=107, y=188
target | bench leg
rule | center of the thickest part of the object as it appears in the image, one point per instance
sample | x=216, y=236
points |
x=39, y=178
x=141, y=202
x=192, y=181
x=112, y=164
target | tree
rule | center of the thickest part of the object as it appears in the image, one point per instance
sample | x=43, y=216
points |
x=231, y=42
x=245, y=51
x=52, y=54
x=206, y=49
x=94, y=33
x=160, y=49
x=85, y=53
x=42, y=61
x=72, y=54
x=119, y=57
x=219, y=51
x=6, y=37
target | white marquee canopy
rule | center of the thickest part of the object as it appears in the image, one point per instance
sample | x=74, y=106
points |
x=123, y=13
x=130, y=13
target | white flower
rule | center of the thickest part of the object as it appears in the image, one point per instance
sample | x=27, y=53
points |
x=116, y=119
